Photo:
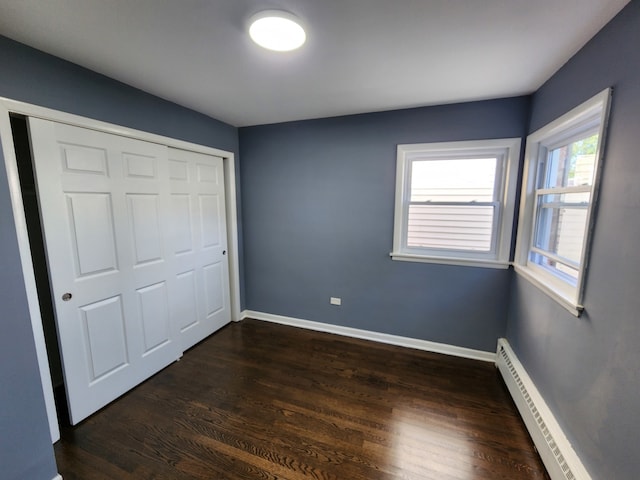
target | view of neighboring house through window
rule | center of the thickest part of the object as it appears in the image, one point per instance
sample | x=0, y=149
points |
x=563, y=197
x=454, y=202
x=558, y=195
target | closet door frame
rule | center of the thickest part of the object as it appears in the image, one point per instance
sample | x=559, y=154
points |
x=7, y=107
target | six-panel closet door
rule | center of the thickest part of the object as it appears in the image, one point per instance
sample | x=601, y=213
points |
x=115, y=236
x=200, y=269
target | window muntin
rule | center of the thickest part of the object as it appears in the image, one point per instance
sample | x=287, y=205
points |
x=450, y=202
x=559, y=191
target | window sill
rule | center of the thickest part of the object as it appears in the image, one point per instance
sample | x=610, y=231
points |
x=570, y=305
x=466, y=262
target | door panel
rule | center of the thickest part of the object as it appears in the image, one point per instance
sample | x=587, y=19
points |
x=213, y=282
x=92, y=233
x=154, y=311
x=181, y=221
x=210, y=220
x=102, y=199
x=200, y=264
x=145, y=228
x=84, y=159
x=186, y=308
x=140, y=166
x=106, y=345
x=207, y=173
x=178, y=170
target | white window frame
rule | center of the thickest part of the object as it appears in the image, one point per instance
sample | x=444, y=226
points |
x=507, y=150
x=591, y=116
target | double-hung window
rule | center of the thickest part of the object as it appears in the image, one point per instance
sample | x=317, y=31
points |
x=455, y=202
x=559, y=188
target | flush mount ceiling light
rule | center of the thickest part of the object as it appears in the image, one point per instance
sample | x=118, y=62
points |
x=276, y=30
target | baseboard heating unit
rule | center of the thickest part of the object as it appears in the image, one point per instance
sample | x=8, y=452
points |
x=556, y=452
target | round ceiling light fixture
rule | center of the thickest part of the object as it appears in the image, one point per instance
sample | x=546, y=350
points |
x=276, y=30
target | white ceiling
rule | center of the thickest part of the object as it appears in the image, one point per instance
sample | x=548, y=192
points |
x=360, y=55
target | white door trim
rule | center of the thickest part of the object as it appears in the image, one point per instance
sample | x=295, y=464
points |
x=8, y=106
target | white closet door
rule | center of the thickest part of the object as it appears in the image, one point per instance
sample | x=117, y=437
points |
x=103, y=201
x=200, y=267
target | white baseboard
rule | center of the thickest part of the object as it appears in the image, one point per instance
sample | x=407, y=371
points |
x=374, y=336
x=554, y=448
x=57, y=477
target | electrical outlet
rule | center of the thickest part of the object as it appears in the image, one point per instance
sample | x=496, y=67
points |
x=335, y=301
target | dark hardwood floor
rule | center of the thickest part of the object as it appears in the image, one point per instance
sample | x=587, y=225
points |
x=263, y=401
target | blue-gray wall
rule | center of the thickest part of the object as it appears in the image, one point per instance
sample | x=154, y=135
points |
x=588, y=368
x=25, y=444
x=318, y=220
x=34, y=77
x=318, y=201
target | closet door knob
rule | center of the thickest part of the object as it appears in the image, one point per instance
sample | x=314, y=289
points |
x=66, y=297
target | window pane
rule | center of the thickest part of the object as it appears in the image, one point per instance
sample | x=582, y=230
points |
x=569, y=274
x=457, y=180
x=561, y=224
x=451, y=227
x=571, y=164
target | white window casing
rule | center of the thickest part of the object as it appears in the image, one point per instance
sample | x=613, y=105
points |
x=572, y=203
x=455, y=202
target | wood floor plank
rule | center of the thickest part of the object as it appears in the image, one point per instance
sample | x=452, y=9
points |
x=264, y=401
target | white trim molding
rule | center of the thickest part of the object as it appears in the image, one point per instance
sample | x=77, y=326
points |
x=556, y=452
x=407, y=342
x=407, y=257
x=57, y=477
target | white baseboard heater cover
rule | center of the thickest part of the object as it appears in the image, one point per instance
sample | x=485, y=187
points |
x=556, y=452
